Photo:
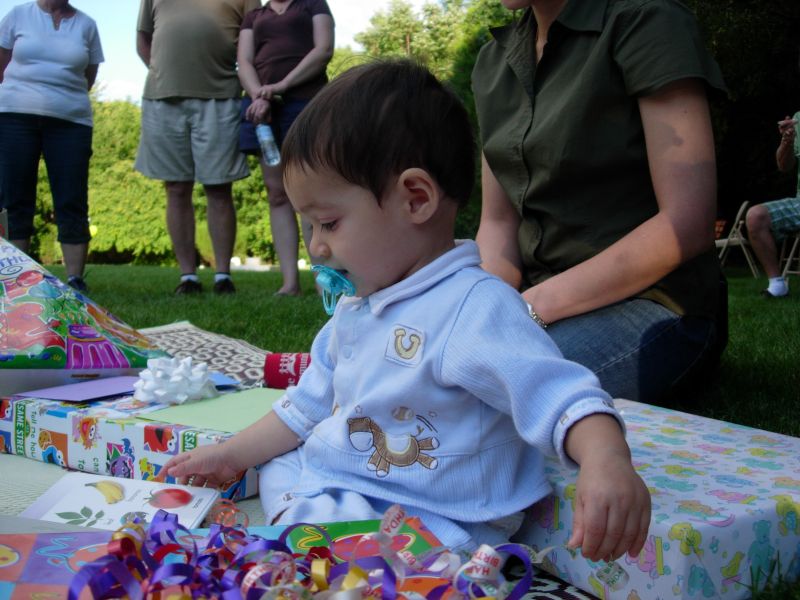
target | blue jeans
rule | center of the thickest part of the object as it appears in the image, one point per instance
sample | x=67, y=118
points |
x=637, y=348
x=67, y=148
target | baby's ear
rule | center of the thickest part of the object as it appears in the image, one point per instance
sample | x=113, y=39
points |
x=421, y=194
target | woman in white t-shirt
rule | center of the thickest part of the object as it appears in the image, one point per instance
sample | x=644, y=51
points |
x=49, y=55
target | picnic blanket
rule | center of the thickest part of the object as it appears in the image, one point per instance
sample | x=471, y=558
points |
x=235, y=358
x=245, y=363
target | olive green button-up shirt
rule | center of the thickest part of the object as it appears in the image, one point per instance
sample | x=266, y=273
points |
x=564, y=137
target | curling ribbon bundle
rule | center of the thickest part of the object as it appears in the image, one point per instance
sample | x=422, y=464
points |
x=166, y=561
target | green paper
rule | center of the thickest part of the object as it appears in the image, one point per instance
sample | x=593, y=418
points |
x=228, y=412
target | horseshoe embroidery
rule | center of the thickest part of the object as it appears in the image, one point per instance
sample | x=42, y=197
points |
x=402, y=351
x=405, y=345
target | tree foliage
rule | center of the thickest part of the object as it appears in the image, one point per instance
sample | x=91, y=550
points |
x=756, y=46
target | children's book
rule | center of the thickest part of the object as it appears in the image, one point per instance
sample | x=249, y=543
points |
x=102, y=502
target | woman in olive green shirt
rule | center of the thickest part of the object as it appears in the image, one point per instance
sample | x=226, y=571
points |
x=599, y=184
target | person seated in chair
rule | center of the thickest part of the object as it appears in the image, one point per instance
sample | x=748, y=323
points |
x=768, y=224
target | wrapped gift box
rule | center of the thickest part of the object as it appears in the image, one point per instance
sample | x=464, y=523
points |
x=50, y=334
x=726, y=511
x=104, y=436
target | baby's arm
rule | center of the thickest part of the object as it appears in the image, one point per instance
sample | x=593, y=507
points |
x=263, y=440
x=302, y=407
x=612, y=503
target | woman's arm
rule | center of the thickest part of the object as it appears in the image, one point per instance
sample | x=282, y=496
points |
x=497, y=233
x=680, y=151
x=91, y=75
x=5, y=58
x=313, y=63
x=245, y=52
x=259, y=110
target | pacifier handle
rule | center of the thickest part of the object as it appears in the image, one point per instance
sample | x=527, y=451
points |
x=333, y=285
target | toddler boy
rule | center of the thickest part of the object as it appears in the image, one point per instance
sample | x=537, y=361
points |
x=415, y=393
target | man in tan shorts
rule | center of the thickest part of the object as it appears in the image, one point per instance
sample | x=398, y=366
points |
x=190, y=121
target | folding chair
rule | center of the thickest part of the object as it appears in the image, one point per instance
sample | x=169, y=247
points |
x=791, y=255
x=736, y=238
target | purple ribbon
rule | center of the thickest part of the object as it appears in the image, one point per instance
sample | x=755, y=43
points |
x=169, y=556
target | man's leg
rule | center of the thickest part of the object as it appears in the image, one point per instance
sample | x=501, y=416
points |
x=165, y=153
x=759, y=230
x=222, y=229
x=180, y=224
x=218, y=162
x=760, y=234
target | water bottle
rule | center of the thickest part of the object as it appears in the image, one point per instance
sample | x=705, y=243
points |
x=269, y=149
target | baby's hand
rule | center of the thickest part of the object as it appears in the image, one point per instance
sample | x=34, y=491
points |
x=612, y=508
x=203, y=465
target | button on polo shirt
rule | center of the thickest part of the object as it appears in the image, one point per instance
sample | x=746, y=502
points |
x=565, y=139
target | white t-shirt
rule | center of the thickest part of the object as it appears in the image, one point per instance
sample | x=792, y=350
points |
x=46, y=75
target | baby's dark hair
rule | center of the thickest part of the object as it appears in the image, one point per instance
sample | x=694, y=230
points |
x=376, y=120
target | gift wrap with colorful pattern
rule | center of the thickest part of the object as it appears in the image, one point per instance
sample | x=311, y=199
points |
x=105, y=437
x=43, y=565
x=726, y=510
x=51, y=335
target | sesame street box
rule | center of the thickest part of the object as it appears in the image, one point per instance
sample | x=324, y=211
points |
x=105, y=437
x=50, y=334
x=726, y=511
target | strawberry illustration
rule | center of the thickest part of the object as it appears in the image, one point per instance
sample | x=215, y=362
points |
x=169, y=498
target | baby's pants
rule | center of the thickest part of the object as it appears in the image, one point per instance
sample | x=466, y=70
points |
x=283, y=505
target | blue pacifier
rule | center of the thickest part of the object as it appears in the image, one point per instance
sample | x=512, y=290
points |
x=333, y=285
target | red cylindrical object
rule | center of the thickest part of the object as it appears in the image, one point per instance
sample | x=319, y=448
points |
x=282, y=369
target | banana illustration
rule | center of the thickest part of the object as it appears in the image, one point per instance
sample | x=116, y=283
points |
x=111, y=490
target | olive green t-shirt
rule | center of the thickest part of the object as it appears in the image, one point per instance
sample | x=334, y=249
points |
x=565, y=138
x=193, y=53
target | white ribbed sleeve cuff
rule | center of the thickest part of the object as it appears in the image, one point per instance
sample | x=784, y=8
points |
x=293, y=418
x=573, y=414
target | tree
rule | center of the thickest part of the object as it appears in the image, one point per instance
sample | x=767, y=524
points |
x=756, y=46
x=391, y=32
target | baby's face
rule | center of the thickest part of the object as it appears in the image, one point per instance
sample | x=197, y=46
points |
x=352, y=233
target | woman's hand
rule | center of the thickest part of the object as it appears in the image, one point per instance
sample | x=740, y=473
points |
x=259, y=111
x=271, y=90
x=204, y=465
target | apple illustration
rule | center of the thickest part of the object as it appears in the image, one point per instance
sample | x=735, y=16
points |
x=169, y=498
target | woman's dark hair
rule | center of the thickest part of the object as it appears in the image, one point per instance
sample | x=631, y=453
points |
x=376, y=120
